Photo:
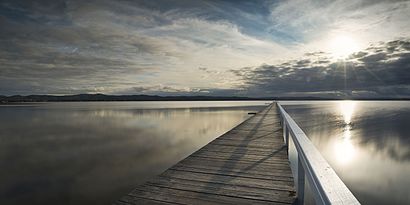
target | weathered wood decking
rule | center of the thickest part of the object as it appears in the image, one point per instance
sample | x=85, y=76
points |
x=247, y=165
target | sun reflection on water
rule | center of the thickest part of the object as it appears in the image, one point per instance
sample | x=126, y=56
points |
x=347, y=109
x=344, y=148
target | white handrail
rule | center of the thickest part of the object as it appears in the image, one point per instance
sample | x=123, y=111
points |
x=326, y=186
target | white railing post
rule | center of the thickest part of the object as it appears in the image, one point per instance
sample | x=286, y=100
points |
x=301, y=182
x=327, y=187
x=285, y=132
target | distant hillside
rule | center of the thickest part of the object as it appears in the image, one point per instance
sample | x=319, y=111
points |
x=102, y=97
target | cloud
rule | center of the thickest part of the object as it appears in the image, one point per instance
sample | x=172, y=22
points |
x=114, y=44
x=162, y=89
x=316, y=19
x=67, y=47
x=380, y=70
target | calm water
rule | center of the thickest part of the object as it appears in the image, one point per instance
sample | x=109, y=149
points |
x=93, y=153
x=366, y=142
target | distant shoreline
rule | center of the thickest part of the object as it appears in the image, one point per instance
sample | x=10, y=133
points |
x=119, y=98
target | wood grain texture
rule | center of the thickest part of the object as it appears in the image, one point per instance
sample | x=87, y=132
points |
x=247, y=165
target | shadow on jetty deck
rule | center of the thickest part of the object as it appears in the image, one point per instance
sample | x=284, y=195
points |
x=247, y=165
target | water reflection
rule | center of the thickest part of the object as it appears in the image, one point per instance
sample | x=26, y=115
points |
x=367, y=143
x=347, y=110
x=345, y=151
x=93, y=153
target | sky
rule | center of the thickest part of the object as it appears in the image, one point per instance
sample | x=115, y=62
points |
x=260, y=48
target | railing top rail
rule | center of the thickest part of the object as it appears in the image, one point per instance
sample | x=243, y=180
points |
x=328, y=188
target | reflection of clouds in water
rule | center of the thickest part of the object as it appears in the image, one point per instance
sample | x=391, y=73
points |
x=389, y=133
x=367, y=144
x=397, y=151
x=172, y=122
x=96, y=154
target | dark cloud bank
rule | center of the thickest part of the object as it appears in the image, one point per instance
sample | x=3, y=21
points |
x=381, y=70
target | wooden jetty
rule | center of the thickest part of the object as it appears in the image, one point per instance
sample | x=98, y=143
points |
x=247, y=165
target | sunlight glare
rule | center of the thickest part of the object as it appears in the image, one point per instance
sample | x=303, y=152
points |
x=343, y=46
x=347, y=108
x=344, y=149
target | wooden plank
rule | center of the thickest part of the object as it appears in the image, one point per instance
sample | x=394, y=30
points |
x=256, y=140
x=237, y=168
x=246, y=165
x=225, y=190
x=248, y=127
x=238, y=164
x=244, y=134
x=232, y=180
x=229, y=152
x=127, y=200
x=275, y=176
x=177, y=196
x=268, y=161
x=245, y=144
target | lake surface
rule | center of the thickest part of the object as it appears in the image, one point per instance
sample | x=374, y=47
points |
x=95, y=152
x=366, y=142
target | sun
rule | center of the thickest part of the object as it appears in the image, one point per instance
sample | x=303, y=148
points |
x=343, y=46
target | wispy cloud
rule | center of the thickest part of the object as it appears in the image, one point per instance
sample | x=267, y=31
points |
x=64, y=47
